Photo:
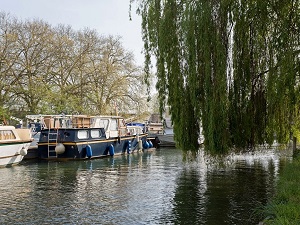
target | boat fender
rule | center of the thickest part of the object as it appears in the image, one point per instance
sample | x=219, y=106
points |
x=111, y=150
x=23, y=152
x=129, y=147
x=119, y=140
x=89, y=151
x=146, y=145
x=60, y=148
x=150, y=144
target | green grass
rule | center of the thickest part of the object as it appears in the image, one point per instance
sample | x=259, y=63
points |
x=284, y=208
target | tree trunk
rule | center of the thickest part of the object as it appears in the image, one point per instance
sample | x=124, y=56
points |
x=295, y=146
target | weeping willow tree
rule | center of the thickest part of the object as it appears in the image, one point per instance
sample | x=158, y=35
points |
x=230, y=67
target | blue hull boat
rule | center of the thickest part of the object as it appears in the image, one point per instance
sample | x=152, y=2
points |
x=72, y=144
x=96, y=137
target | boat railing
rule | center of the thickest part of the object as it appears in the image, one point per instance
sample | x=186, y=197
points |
x=113, y=129
x=61, y=121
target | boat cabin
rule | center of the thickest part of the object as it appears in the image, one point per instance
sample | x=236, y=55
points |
x=114, y=126
x=10, y=133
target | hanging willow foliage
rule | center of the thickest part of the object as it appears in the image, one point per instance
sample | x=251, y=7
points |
x=229, y=67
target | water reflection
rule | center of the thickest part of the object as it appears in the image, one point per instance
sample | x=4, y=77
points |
x=227, y=190
x=160, y=187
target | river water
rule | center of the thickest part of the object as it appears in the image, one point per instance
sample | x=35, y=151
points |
x=164, y=186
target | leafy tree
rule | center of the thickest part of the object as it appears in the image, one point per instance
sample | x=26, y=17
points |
x=32, y=64
x=8, y=57
x=234, y=65
x=112, y=77
x=46, y=70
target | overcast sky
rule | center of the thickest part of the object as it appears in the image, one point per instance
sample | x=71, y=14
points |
x=108, y=17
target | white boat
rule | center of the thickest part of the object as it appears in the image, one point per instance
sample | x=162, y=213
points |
x=14, y=144
x=135, y=128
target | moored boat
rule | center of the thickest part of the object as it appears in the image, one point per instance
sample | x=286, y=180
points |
x=138, y=128
x=166, y=139
x=32, y=152
x=87, y=137
x=155, y=125
x=35, y=123
x=14, y=144
x=135, y=128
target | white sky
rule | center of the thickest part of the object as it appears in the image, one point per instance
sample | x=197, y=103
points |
x=108, y=17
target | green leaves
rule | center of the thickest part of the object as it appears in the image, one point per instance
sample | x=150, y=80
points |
x=58, y=70
x=229, y=67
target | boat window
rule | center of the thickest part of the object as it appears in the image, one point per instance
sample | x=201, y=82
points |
x=95, y=133
x=139, y=130
x=131, y=131
x=82, y=134
x=104, y=123
x=7, y=135
x=114, y=125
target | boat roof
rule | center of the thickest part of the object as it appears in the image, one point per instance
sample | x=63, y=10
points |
x=40, y=116
x=106, y=116
x=7, y=128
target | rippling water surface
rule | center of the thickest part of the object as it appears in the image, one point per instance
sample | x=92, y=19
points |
x=159, y=187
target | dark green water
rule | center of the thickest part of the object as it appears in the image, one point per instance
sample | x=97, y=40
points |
x=159, y=187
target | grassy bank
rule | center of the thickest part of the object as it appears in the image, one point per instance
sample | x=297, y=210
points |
x=284, y=208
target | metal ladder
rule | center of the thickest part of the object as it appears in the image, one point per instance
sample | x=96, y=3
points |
x=52, y=136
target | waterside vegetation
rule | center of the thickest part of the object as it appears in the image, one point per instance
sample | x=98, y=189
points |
x=283, y=209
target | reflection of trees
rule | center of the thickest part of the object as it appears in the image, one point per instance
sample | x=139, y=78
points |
x=37, y=193
x=234, y=195
x=189, y=200
x=224, y=196
x=156, y=187
x=54, y=179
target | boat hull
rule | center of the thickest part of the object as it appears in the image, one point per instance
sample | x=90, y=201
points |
x=75, y=149
x=10, y=153
x=166, y=140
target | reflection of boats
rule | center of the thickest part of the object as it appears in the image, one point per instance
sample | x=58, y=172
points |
x=83, y=137
x=14, y=144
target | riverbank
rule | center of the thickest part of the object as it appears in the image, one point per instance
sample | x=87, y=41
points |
x=284, y=208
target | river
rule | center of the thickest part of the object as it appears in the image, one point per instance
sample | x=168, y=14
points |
x=164, y=186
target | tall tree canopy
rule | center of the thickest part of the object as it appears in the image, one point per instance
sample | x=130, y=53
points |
x=52, y=70
x=227, y=67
